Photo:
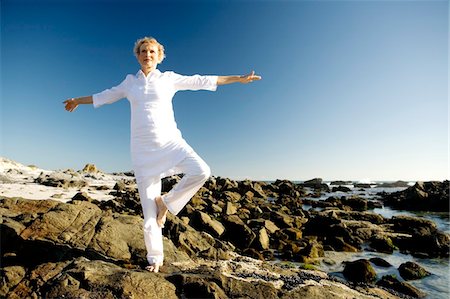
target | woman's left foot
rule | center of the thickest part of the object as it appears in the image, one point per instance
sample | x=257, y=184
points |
x=153, y=267
x=161, y=213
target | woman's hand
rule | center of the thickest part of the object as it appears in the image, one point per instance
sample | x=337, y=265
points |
x=249, y=78
x=221, y=80
x=71, y=104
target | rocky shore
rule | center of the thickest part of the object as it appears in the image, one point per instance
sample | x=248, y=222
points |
x=235, y=239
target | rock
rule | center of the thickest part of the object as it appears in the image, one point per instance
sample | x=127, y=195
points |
x=197, y=285
x=270, y=226
x=90, y=168
x=382, y=244
x=293, y=233
x=168, y=182
x=231, y=208
x=423, y=196
x=311, y=252
x=120, y=186
x=230, y=196
x=255, y=188
x=377, y=261
x=205, y=222
x=338, y=244
x=61, y=180
x=263, y=239
x=393, y=283
x=341, y=189
x=362, y=185
x=11, y=276
x=425, y=246
x=195, y=243
x=413, y=225
x=281, y=219
x=411, y=270
x=397, y=184
x=316, y=184
x=82, y=196
x=99, y=279
x=334, y=183
x=359, y=271
x=285, y=187
x=238, y=232
x=225, y=184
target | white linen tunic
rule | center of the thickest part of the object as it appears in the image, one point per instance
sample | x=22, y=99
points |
x=156, y=142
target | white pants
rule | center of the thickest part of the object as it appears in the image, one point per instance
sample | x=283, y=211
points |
x=196, y=173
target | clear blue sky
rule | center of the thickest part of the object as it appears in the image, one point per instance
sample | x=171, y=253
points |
x=351, y=89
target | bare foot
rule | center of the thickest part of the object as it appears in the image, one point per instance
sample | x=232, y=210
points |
x=153, y=267
x=161, y=213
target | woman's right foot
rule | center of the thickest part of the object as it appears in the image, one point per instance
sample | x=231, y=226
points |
x=162, y=211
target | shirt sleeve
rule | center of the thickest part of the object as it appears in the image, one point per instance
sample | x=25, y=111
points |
x=111, y=95
x=194, y=82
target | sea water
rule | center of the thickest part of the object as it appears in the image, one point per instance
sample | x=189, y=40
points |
x=435, y=285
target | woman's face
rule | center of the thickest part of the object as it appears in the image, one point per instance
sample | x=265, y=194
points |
x=148, y=56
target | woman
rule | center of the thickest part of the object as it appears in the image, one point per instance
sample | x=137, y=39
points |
x=157, y=146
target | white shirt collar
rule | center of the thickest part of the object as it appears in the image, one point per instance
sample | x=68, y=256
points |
x=140, y=74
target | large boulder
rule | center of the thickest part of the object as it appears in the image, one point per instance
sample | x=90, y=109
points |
x=359, y=271
x=393, y=283
x=423, y=196
x=98, y=279
x=411, y=270
x=237, y=232
x=61, y=180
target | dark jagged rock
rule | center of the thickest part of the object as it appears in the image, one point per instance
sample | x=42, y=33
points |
x=382, y=244
x=423, y=196
x=238, y=232
x=341, y=189
x=393, y=283
x=397, y=184
x=359, y=271
x=380, y=262
x=411, y=270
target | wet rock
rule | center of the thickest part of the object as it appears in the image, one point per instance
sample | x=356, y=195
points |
x=359, y=271
x=293, y=233
x=382, y=244
x=423, y=196
x=411, y=270
x=335, y=183
x=397, y=184
x=362, y=185
x=393, y=283
x=311, y=252
x=341, y=189
x=377, y=261
x=413, y=225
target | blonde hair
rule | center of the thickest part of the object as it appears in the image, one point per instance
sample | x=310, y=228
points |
x=149, y=40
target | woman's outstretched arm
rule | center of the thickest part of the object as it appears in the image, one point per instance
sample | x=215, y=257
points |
x=221, y=80
x=72, y=104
